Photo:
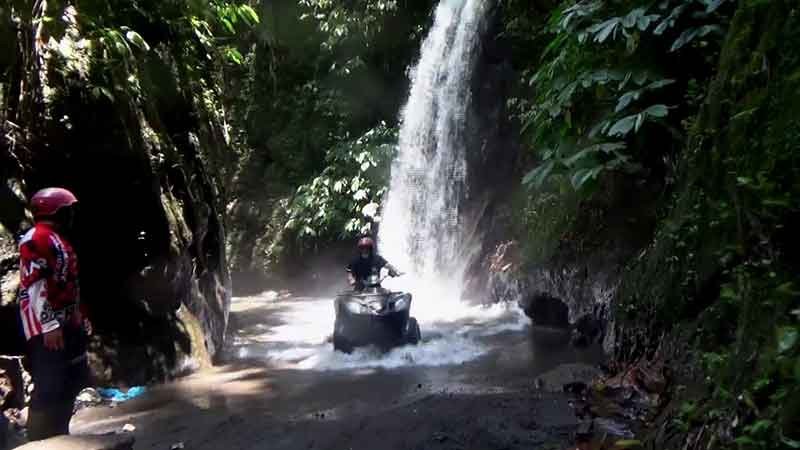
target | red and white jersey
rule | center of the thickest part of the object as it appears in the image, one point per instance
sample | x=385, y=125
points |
x=49, y=291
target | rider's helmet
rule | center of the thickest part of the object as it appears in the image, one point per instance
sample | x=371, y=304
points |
x=49, y=201
x=366, y=243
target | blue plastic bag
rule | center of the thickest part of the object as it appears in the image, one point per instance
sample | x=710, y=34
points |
x=117, y=396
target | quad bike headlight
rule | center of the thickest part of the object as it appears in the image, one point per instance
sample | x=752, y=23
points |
x=401, y=303
x=356, y=307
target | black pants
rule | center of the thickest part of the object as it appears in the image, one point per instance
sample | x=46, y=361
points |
x=58, y=377
x=3, y=431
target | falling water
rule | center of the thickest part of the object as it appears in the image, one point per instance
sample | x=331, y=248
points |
x=423, y=229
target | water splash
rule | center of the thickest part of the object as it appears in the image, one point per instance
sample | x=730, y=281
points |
x=301, y=339
x=423, y=229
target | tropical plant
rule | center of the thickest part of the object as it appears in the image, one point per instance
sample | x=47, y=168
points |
x=344, y=200
x=606, y=75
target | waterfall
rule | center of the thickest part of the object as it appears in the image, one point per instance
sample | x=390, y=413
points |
x=423, y=229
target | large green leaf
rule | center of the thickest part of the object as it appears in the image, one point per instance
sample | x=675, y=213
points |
x=603, y=30
x=569, y=162
x=580, y=177
x=787, y=339
x=669, y=21
x=249, y=15
x=626, y=99
x=137, y=40
x=623, y=126
x=657, y=111
x=712, y=5
x=538, y=175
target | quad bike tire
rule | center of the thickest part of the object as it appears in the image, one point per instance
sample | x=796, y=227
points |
x=342, y=345
x=414, y=335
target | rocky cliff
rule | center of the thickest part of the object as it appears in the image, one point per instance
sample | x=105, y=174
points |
x=135, y=130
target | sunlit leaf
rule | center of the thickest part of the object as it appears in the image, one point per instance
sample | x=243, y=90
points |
x=578, y=156
x=643, y=23
x=248, y=14
x=627, y=99
x=787, y=339
x=630, y=19
x=537, y=176
x=660, y=83
x=234, y=55
x=657, y=111
x=713, y=5
x=370, y=209
x=791, y=442
x=623, y=126
x=580, y=177
x=639, y=121
x=669, y=21
x=227, y=24
x=603, y=30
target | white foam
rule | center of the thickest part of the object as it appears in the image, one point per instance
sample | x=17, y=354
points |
x=450, y=336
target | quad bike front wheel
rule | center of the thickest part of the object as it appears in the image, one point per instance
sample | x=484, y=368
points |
x=413, y=333
x=341, y=344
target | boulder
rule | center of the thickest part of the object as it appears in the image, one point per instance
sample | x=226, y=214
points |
x=546, y=311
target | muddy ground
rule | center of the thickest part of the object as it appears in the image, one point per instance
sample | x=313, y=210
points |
x=482, y=380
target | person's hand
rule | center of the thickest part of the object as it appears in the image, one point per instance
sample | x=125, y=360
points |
x=80, y=320
x=54, y=340
x=87, y=325
x=351, y=280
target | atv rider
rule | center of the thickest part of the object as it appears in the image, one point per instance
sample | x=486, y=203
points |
x=366, y=263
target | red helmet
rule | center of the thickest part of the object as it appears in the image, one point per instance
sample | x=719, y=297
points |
x=48, y=201
x=366, y=242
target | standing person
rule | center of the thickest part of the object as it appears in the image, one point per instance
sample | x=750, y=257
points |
x=367, y=262
x=52, y=318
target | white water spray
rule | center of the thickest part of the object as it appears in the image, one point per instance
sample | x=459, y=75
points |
x=422, y=227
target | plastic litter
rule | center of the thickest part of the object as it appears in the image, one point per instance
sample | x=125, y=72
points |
x=118, y=396
x=177, y=446
x=129, y=428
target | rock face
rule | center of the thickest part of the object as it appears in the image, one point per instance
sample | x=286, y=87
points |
x=150, y=231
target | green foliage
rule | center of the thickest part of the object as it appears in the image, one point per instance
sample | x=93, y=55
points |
x=722, y=261
x=604, y=76
x=344, y=199
x=545, y=220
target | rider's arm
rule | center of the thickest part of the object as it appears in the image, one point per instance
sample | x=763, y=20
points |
x=351, y=278
x=393, y=272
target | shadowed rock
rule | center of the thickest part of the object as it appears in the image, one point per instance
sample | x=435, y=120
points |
x=547, y=311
